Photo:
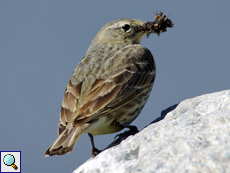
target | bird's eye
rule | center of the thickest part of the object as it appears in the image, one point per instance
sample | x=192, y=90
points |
x=126, y=27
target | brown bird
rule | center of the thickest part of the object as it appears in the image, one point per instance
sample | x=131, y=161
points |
x=110, y=85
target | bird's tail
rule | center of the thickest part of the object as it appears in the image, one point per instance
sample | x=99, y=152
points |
x=66, y=140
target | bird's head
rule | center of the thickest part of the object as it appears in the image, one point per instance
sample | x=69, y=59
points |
x=123, y=31
x=130, y=31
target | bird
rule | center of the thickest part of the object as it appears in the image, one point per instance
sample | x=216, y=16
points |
x=110, y=85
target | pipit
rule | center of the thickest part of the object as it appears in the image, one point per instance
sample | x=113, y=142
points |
x=110, y=85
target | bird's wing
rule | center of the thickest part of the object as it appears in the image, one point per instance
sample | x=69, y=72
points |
x=95, y=96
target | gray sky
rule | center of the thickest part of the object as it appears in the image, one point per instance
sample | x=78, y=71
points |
x=41, y=43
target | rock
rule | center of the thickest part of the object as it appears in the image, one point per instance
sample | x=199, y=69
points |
x=194, y=137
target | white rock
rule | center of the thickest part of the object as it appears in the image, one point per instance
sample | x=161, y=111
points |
x=194, y=137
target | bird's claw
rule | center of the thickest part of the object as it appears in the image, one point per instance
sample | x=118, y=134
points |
x=95, y=152
x=132, y=131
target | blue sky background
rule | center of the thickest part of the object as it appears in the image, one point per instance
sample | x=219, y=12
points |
x=41, y=42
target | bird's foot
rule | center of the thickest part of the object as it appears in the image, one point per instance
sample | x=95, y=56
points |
x=95, y=152
x=132, y=131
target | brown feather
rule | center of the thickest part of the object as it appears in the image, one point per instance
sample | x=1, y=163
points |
x=96, y=84
x=96, y=105
x=65, y=115
x=66, y=140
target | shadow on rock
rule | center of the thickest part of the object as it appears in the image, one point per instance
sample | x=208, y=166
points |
x=164, y=113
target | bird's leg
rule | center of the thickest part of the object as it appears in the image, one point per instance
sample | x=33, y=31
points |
x=132, y=131
x=95, y=151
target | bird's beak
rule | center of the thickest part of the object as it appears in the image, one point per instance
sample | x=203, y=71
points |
x=160, y=24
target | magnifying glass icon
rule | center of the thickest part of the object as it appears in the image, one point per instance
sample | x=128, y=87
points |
x=9, y=160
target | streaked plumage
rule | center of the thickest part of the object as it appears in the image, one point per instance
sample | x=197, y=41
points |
x=109, y=87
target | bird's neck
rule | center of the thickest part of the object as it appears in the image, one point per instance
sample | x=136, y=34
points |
x=105, y=47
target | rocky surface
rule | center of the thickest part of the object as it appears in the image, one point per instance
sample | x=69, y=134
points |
x=194, y=137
